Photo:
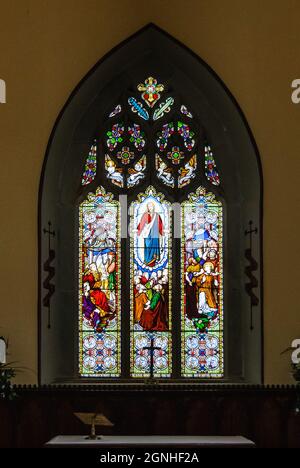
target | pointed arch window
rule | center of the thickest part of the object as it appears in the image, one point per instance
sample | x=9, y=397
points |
x=143, y=271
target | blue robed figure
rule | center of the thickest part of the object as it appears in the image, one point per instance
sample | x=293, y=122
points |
x=151, y=228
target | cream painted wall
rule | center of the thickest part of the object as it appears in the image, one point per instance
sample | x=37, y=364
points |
x=45, y=49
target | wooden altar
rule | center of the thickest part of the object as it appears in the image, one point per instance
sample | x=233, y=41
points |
x=264, y=414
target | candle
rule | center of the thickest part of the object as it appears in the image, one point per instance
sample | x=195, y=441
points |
x=2, y=351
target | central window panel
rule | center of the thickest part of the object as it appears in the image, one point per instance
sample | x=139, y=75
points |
x=151, y=286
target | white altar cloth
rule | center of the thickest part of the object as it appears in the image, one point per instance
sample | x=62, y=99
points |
x=110, y=441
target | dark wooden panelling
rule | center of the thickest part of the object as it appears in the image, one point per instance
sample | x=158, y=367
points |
x=265, y=415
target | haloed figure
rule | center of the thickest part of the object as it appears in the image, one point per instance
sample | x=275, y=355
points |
x=206, y=282
x=150, y=228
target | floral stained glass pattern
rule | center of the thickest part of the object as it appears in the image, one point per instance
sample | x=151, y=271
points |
x=99, y=286
x=137, y=137
x=187, y=135
x=151, y=340
x=202, y=287
x=211, y=171
x=175, y=155
x=163, y=137
x=115, y=136
x=90, y=167
x=169, y=129
x=125, y=155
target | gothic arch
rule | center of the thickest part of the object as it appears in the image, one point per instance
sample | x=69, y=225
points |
x=150, y=51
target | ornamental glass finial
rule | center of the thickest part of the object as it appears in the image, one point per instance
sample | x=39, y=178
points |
x=150, y=91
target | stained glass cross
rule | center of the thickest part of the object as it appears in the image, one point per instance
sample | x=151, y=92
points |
x=151, y=349
x=150, y=90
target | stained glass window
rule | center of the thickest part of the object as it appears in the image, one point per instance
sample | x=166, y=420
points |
x=136, y=136
x=115, y=111
x=164, y=172
x=99, y=286
x=211, y=171
x=202, y=286
x=136, y=173
x=187, y=172
x=184, y=110
x=152, y=140
x=152, y=123
x=114, y=173
x=90, y=167
x=138, y=108
x=163, y=108
x=114, y=136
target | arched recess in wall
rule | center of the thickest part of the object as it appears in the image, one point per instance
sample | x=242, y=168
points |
x=150, y=52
